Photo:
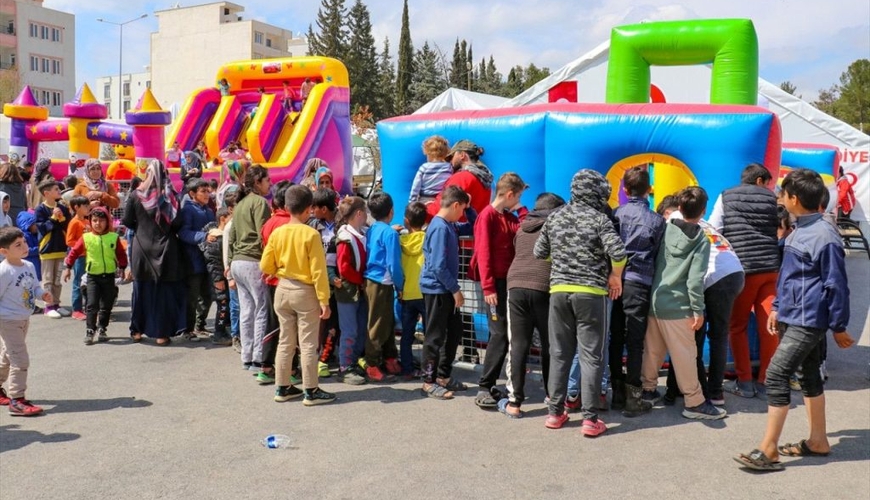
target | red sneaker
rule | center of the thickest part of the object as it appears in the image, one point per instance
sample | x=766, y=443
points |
x=572, y=403
x=593, y=428
x=556, y=421
x=79, y=315
x=20, y=407
x=374, y=374
x=393, y=367
x=4, y=399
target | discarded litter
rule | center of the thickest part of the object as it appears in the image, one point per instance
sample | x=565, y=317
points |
x=276, y=441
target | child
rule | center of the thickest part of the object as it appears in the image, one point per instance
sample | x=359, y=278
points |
x=494, y=234
x=578, y=239
x=19, y=287
x=194, y=216
x=27, y=224
x=52, y=219
x=295, y=255
x=5, y=206
x=350, y=293
x=812, y=296
x=677, y=307
x=224, y=87
x=229, y=203
x=413, y=305
x=641, y=230
x=104, y=254
x=173, y=156
x=383, y=276
x=77, y=226
x=69, y=186
x=323, y=219
x=432, y=175
x=528, y=283
x=439, y=283
x=213, y=253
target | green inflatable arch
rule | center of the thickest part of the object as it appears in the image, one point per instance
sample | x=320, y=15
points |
x=730, y=44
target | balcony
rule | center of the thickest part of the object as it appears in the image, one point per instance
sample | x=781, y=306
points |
x=7, y=65
x=7, y=40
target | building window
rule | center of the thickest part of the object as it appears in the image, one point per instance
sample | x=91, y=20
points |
x=46, y=98
x=268, y=42
x=107, y=103
x=56, y=67
x=10, y=29
x=45, y=66
x=34, y=30
x=127, y=89
x=226, y=11
x=56, y=98
x=258, y=38
x=12, y=59
x=107, y=91
x=126, y=106
x=148, y=84
x=55, y=35
x=44, y=32
x=34, y=63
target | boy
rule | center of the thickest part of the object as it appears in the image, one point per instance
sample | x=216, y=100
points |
x=323, y=219
x=52, y=219
x=641, y=230
x=68, y=188
x=27, y=224
x=578, y=238
x=812, y=296
x=295, y=255
x=383, y=275
x=194, y=216
x=677, y=307
x=413, y=305
x=528, y=283
x=494, y=234
x=439, y=283
x=104, y=254
x=77, y=226
x=19, y=287
x=213, y=254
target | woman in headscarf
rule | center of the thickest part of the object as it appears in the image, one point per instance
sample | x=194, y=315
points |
x=231, y=174
x=95, y=187
x=192, y=166
x=12, y=184
x=309, y=180
x=157, y=267
x=41, y=172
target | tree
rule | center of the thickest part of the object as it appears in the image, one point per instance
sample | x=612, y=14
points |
x=385, y=104
x=514, y=84
x=789, y=87
x=10, y=84
x=361, y=58
x=534, y=75
x=457, y=69
x=827, y=100
x=426, y=82
x=854, y=102
x=405, y=63
x=331, y=38
x=469, y=63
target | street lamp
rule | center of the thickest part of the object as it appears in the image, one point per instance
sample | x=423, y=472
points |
x=121, y=59
x=468, y=68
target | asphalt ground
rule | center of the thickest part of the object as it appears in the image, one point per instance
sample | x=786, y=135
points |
x=137, y=421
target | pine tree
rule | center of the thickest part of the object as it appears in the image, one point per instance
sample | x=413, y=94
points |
x=426, y=83
x=361, y=57
x=493, y=78
x=457, y=69
x=385, y=105
x=331, y=40
x=314, y=47
x=469, y=58
x=405, y=64
x=463, y=66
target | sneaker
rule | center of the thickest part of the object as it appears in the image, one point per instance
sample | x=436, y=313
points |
x=102, y=336
x=323, y=370
x=704, y=411
x=79, y=315
x=556, y=421
x=351, y=377
x=202, y=331
x=20, y=407
x=742, y=389
x=4, y=399
x=717, y=400
x=247, y=366
x=264, y=378
x=64, y=312
x=237, y=344
x=222, y=340
x=670, y=399
x=285, y=393
x=89, y=337
x=53, y=314
x=593, y=428
x=295, y=380
x=374, y=374
x=392, y=366
x=361, y=362
x=317, y=396
x=652, y=397
x=572, y=403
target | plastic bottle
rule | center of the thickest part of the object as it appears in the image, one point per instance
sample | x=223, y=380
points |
x=493, y=313
x=276, y=441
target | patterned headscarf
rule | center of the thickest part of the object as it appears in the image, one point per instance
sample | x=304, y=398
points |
x=98, y=184
x=157, y=194
x=41, y=169
x=320, y=173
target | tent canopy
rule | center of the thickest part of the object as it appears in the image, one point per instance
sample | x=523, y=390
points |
x=454, y=99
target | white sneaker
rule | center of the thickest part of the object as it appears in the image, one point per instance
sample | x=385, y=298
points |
x=53, y=314
x=64, y=312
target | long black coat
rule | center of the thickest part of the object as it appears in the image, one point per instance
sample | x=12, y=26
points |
x=156, y=251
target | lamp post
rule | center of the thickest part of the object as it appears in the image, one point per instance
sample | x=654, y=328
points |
x=468, y=68
x=121, y=59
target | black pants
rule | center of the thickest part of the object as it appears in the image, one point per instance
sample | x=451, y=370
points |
x=443, y=329
x=800, y=350
x=527, y=310
x=198, y=300
x=718, y=302
x=327, y=344
x=270, y=340
x=497, y=346
x=222, y=314
x=627, y=330
x=101, y=297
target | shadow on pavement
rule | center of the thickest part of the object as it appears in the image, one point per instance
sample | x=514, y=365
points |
x=13, y=438
x=853, y=446
x=85, y=405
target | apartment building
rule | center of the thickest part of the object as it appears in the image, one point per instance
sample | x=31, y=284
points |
x=110, y=90
x=191, y=43
x=39, y=44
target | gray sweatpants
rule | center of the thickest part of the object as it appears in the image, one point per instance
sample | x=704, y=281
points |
x=253, y=305
x=577, y=320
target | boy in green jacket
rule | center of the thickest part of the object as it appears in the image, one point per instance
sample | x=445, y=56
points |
x=677, y=307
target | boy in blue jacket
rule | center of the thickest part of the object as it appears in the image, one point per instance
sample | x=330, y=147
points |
x=812, y=296
x=383, y=274
x=439, y=282
x=194, y=216
x=26, y=222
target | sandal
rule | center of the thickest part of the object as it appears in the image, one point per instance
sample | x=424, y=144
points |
x=503, y=409
x=485, y=400
x=757, y=460
x=435, y=391
x=165, y=341
x=452, y=385
x=136, y=337
x=799, y=450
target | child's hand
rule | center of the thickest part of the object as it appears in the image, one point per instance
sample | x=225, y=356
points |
x=336, y=282
x=491, y=300
x=232, y=283
x=844, y=340
x=614, y=286
x=325, y=313
x=458, y=299
x=66, y=275
x=128, y=275
x=219, y=285
x=771, y=324
x=398, y=228
x=47, y=298
x=697, y=322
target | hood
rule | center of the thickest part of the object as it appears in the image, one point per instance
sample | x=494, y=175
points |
x=590, y=188
x=3, y=197
x=481, y=171
x=412, y=243
x=104, y=211
x=682, y=237
x=535, y=220
x=346, y=233
x=25, y=220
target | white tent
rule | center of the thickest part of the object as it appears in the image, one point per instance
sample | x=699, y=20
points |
x=801, y=122
x=454, y=99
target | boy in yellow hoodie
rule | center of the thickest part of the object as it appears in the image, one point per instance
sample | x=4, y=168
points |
x=413, y=306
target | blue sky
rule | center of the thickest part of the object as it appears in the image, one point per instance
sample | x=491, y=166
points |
x=808, y=42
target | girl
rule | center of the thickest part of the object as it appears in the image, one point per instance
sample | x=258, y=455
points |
x=349, y=284
x=431, y=175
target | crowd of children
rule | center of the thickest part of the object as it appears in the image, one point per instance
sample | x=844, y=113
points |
x=307, y=277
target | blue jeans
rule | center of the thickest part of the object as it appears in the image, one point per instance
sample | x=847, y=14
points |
x=411, y=310
x=353, y=320
x=234, y=312
x=78, y=272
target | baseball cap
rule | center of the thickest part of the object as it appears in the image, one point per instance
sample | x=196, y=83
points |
x=464, y=145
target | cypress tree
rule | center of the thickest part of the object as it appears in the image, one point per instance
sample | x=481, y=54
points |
x=405, y=64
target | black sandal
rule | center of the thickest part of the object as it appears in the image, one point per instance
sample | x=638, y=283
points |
x=757, y=460
x=453, y=385
x=799, y=450
x=485, y=400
